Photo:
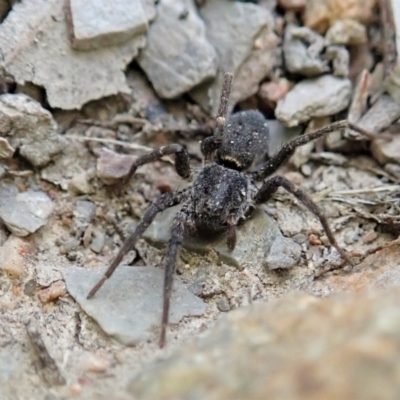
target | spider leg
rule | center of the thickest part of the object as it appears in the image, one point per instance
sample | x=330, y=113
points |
x=272, y=185
x=273, y=163
x=177, y=231
x=210, y=144
x=182, y=161
x=167, y=200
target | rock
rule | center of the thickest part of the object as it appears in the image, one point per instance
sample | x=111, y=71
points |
x=297, y=347
x=322, y=14
x=79, y=184
x=381, y=115
x=392, y=82
x=84, y=212
x=98, y=242
x=361, y=58
x=255, y=240
x=112, y=167
x=270, y=92
x=44, y=56
x=53, y=292
x=340, y=58
x=236, y=37
x=6, y=150
x=95, y=362
x=136, y=292
x=26, y=212
x=30, y=128
x=386, y=151
x=310, y=98
x=13, y=256
x=293, y=5
x=302, y=51
x=348, y=32
x=177, y=62
x=97, y=24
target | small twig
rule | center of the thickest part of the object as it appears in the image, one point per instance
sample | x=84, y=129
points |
x=390, y=188
x=132, y=146
x=48, y=367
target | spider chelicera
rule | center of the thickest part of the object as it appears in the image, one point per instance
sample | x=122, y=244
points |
x=223, y=192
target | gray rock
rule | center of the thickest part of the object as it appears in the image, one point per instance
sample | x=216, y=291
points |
x=24, y=213
x=98, y=242
x=128, y=306
x=255, y=239
x=381, y=115
x=348, y=32
x=392, y=82
x=177, y=56
x=84, y=212
x=300, y=57
x=233, y=27
x=30, y=128
x=297, y=347
x=310, y=98
x=6, y=150
x=100, y=23
x=45, y=57
x=112, y=167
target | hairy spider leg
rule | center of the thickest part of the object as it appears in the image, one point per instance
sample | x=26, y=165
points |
x=182, y=160
x=272, y=185
x=210, y=144
x=177, y=232
x=273, y=163
x=167, y=200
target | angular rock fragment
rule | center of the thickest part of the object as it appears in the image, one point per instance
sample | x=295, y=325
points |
x=258, y=241
x=112, y=167
x=29, y=127
x=322, y=14
x=128, y=306
x=26, y=212
x=100, y=23
x=236, y=37
x=177, y=56
x=13, y=256
x=302, y=51
x=34, y=47
x=348, y=32
x=6, y=150
x=310, y=98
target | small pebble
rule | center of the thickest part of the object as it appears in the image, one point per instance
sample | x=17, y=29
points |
x=95, y=363
x=369, y=237
x=314, y=240
x=223, y=304
x=13, y=256
x=53, y=292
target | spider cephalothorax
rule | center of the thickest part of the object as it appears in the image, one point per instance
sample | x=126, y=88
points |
x=224, y=191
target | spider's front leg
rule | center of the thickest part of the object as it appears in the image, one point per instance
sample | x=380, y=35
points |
x=210, y=144
x=167, y=200
x=177, y=232
x=182, y=161
x=272, y=185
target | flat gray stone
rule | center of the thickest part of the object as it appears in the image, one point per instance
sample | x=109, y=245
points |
x=24, y=213
x=34, y=47
x=255, y=239
x=29, y=127
x=178, y=55
x=299, y=59
x=101, y=23
x=128, y=306
x=232, y=28
x=311, y=98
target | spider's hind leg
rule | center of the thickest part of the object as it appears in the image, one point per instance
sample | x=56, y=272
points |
x=177, y=231
x=272, y=185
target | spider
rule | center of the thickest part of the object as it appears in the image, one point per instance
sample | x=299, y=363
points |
x=223, y=192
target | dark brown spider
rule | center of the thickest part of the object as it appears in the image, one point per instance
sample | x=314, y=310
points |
x=223, y=192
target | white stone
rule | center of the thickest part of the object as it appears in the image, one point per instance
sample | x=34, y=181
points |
x=102, y=23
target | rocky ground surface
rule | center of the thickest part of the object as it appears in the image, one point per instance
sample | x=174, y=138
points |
x=280, y=316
